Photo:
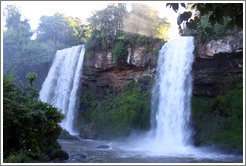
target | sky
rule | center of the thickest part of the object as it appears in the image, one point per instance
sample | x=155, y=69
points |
x=33, y=10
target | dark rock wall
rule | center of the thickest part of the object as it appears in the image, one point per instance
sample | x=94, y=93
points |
x=219, y=66
x=216, y=76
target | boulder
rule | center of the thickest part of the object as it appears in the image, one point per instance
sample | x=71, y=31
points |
x=89, y=131
x=61, y=155
x=65, y=135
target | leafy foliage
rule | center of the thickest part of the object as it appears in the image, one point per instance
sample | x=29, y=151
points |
x=208, y=32
x=119, y=51
x=29, y=125
x=20, y=157
x=210, y=20
x=219, y=120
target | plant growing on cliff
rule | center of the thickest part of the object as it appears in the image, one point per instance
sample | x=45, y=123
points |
x=219, y=120
x=119, y=52
x=118, y=114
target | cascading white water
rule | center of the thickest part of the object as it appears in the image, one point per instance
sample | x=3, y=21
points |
x=171, y=96
x=61, y=85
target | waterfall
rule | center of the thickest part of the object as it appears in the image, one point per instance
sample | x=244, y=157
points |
x=61, y=84
x=171, y=96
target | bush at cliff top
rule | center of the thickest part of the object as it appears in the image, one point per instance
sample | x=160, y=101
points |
x=29, y=126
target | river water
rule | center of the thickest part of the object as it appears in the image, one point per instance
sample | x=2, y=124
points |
x=123, y=151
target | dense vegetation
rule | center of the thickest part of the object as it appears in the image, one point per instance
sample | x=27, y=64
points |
x=117, y=115
x=219, y=121
x=30, y=127
x=110, y=29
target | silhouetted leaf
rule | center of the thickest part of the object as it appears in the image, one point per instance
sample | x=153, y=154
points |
x=183, y=5
x=175, y=6
x=185, y=16
x=191, y=24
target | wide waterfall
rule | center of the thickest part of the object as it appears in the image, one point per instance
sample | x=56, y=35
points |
x=171, y=95
x=60, y=87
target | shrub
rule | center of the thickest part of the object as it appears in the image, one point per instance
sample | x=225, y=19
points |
x=20, y=157
x=29, y=125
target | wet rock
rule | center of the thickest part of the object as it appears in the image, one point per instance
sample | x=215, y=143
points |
x=89, y=131
x=217, y=76
x=65, y=135
x=103, y=147
x=61, y=155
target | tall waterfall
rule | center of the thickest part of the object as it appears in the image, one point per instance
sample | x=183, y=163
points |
x=171, y=96
x=61, y=85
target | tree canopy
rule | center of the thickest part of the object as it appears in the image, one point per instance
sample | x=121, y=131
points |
x=17, y=35
x=60, y=29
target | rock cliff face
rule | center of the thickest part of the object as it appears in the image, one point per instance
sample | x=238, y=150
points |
x=228, y=44
x=219, y=66
x=217, y=69
x=101, y=73
x=216, y=76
